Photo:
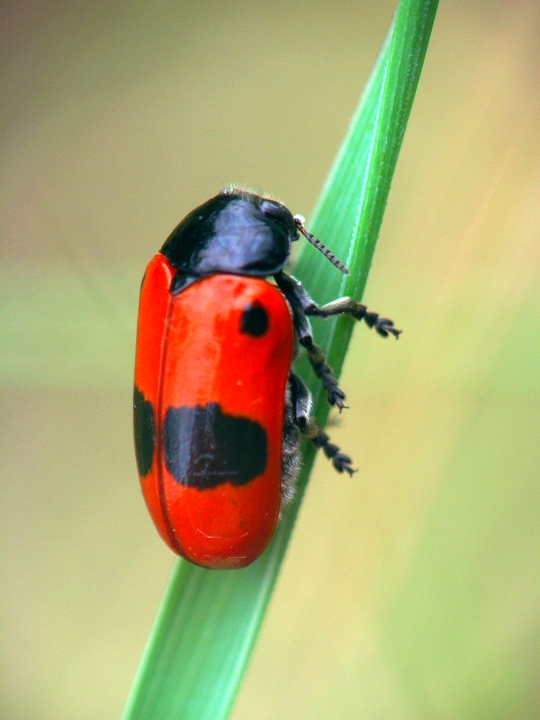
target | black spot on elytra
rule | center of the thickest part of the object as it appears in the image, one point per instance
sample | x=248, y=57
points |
x=143, y=421
x=205, y=447
x=254, y=320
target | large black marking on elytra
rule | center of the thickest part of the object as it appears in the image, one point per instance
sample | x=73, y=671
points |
x=145, y=440
x=205, y=447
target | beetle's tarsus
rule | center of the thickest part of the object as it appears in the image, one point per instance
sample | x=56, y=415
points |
x=384, y=326
x=340, y=461
x=334, y=393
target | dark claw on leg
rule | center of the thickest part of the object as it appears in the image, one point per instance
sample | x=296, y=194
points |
x=334, y=393
x=384, y=327
x=343, y=462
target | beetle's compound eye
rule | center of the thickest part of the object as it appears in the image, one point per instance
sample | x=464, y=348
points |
x=254, y=320
x=276, y=210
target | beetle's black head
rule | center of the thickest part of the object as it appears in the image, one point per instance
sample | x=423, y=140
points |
x=236, y=232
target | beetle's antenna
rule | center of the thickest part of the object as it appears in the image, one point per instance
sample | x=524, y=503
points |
x=300, y=224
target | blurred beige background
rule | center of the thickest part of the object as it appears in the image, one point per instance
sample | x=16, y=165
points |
x=409, y=592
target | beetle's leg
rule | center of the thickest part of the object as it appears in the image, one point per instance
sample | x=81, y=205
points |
x=339, y=460
x=316, y=357
x=301, y=404
x=301, y=401
x=349, y=306
x=289, y=286
x=304, y=333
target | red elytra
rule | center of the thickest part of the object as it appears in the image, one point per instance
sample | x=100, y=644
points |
x=192, y=353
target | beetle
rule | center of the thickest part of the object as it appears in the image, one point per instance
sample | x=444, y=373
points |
x=217, y=409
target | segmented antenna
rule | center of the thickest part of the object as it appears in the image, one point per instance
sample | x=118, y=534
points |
x=300, y=224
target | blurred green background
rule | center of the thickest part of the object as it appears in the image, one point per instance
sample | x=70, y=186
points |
x=410, y=591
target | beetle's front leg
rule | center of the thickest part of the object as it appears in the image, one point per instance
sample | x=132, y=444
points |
x=349, y=306
x=292, y=288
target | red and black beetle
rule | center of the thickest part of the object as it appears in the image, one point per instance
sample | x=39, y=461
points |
x=217, y=409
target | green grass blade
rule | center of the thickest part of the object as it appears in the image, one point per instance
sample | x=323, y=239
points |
x=209, y=620
x=350, y=212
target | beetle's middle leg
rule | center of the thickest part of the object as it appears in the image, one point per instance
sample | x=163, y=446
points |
x=316, y=357
x=304, y=335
